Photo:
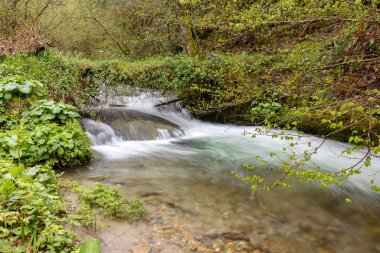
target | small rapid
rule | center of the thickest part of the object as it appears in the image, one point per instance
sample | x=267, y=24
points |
x=163, y=151
x=138, y=127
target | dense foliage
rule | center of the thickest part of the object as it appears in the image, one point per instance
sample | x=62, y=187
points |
x=32, y=213
x=306, y=65
x=36, y=136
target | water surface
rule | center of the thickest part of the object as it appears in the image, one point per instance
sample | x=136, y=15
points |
x=183, y=172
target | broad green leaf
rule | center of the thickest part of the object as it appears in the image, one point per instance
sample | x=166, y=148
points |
x=90, y=246
x=24, y=89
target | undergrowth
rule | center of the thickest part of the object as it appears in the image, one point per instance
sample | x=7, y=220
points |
x=36, y=136
x=101, y=201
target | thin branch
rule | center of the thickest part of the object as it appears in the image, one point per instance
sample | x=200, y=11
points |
x=169, y=102
x=47, y=4
x=110, y=36
x=322, y=19
x=348, y=62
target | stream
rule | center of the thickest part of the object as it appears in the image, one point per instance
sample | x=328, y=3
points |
x=181, y=168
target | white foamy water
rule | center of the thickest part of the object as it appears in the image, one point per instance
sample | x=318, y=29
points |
x=166, y=152
x=223, y=141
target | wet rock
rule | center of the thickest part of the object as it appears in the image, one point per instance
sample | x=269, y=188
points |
x=150, y=194
x=212, y=234
x=135, y=125
x=142, y=249
x=97, y=178
x=179, y=208
x=242, y=245
x=215, y=246
x=154, y=250
x=234, y=236
x=193, y=246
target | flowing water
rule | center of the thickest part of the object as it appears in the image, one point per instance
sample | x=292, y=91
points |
x=181, y=168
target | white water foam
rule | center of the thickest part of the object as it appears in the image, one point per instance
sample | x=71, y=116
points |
x=223, y=141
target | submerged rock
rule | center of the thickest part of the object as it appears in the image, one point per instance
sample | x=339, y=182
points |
x=235, y=236
x=142, y=249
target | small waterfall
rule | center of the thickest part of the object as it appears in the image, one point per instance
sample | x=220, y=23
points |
x=100, y=133
x=164, y=153
x=135, y=125
x=138, y=128
x=164, y=134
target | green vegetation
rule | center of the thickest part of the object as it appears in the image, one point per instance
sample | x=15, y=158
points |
x=305, y=65
x=32, y=212
x=102, y=201
x=90, y=246
x=36, y=136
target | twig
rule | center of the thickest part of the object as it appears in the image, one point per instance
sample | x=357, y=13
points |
x=348, y=62
x=322, y=19
x=169, y=102
x=110, y=36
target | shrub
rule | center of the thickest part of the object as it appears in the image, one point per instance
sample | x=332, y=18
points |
x=31, y=210
x=16, y=87
x=48, y=111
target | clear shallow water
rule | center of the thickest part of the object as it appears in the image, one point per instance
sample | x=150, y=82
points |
x=192, y=172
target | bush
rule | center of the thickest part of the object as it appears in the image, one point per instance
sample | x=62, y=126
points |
x=266, y=111
x=31, y=210
x=17, y=88
x=48, y=111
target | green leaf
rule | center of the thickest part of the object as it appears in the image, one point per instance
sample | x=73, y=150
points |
x=61, y=151
x=15, y=153
x=14, y=171
x=7, y=187
x=90, y=246
x=367, y=162
x=48, y=116
x=10, y=86
x=8, y=96
x=24, y=89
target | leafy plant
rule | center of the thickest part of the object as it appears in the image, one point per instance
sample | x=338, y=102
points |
x=31, y=210
x=32, y=213
x=48, y=111
x=266, y=111
x=90, y=246
x=18, y=87
x=59, y=145
x=108, y=201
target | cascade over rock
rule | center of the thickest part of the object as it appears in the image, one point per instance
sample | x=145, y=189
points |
x=127, y=124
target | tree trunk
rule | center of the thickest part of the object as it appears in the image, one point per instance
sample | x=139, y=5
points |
x=188, y=42
x=13, y=14
x=10, y=16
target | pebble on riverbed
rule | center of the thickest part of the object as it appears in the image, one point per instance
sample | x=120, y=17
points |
x=142, y=249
